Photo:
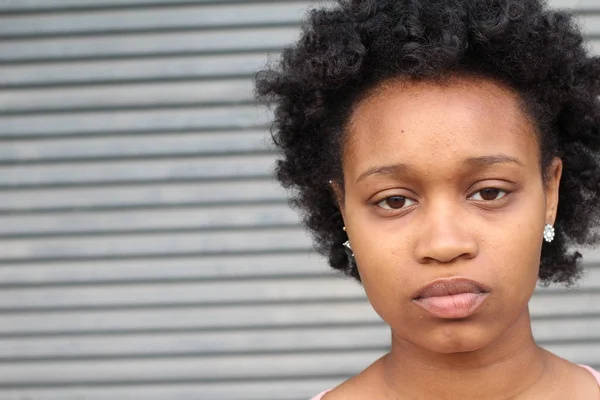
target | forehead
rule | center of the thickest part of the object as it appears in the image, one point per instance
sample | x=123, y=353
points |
x=411, y=122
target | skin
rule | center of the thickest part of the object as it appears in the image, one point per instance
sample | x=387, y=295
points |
x=445, y=181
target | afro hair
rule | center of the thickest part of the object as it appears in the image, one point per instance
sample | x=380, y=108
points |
x=351, y=47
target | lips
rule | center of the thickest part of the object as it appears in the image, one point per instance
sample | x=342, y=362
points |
x=451, y=298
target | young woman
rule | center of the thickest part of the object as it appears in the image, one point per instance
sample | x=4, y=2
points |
x=445, y=154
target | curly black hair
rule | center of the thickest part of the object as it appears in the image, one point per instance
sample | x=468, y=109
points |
x=351, y=47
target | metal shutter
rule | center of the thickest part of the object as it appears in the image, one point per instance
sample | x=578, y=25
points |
x=145, y=252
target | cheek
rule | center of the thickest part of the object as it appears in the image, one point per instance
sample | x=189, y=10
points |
x=513, y=247
x=518, y=256
x=383, y=251
x=387, y=271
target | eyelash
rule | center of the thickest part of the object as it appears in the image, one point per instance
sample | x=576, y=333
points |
x=384, y=201
x=390, y=209
x=506, y=192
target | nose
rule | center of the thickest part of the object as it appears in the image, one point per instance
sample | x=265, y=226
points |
x=444, y=236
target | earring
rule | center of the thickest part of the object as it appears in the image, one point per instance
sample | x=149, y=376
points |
x=348, y=248
x=548, y=233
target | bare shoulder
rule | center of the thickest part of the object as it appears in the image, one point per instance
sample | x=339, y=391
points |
x=588, y=387
x=362, y=386
x=345, y=390
x=575, y=381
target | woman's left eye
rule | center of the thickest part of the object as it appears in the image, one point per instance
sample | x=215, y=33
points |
x=489, y=194
x=395, y=203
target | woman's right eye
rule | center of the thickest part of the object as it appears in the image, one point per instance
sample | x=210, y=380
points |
x=395, y=203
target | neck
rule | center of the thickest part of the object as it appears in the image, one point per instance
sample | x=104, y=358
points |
x=508, y=368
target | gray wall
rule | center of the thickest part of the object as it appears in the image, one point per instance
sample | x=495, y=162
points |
x=145, y=251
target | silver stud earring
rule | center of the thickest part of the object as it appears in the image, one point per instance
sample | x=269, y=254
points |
x=548, y=233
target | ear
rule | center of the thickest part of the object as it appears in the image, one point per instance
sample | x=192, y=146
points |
x=338, y=191
x=554, y=174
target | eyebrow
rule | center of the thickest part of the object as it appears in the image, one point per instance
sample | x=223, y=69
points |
x=394, y=169
x=483, y=161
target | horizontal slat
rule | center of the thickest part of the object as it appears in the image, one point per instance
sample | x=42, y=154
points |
x=328, y=338
x=213, y=267
x=246, y=216
x=33, y=5
x=137, y=171
x=559, y=301
x=548, y=304
x=246, y=367
x=297, y=388
x=199, y=343
x=135, y=146
x=148, y=195
x=190, y=318
x=172, y=243
x=164, y=269
x=244, y=317
x=134, y=121
x=577, y=5
x=571, y=329
x=168, y=43
x=205, y=368
x=130, y=45
x=66, y=5
x=156, y=18
x=180, y=293
x=589, y=280
x=594, y=47
x=590, y=23
x=86, y=72
x=131, y=95
x=580, y=353
x=57, y=5
x=590, y=255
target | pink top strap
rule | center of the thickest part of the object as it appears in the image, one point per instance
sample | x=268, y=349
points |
x=320, y=395
x=594, y=373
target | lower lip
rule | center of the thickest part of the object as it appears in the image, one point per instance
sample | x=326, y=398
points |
x=451, y=307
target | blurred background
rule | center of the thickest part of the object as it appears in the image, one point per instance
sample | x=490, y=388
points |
x=145, y=250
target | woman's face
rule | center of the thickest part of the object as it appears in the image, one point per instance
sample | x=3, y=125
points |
x=444, y=182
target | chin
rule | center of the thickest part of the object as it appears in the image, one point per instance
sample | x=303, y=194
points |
x=455, y=339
